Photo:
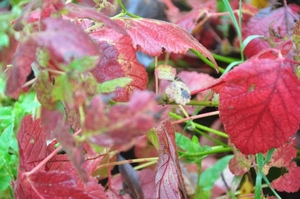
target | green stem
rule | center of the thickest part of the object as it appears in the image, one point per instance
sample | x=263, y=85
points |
x=210, y=138
x=202, y=127
x=269, y=184
x=205, y=60
x=125, y=10
x=260, y=161
x=224, y=59
x=195, y=103
x=214, y=150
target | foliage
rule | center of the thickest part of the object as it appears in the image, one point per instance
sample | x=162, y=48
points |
x=74, y=95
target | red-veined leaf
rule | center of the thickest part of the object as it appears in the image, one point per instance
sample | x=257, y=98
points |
x=169, y=181
x=159, y=37
x=52, y=184
x=289, y=182
x=259, y=102
x=61, y=162
x=32, y=143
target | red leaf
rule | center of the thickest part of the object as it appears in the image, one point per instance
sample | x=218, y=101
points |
x=61, y=162
x=239, y=164
x=94, y=189
x=283, y=156
x=21, y=68
x=259, y=103
x=32, y=143
x=52, y=184
x=129, y=121
x=289, y=182
x=159, y=37
x=119, y=60
x=169, y=181
x=260, y=24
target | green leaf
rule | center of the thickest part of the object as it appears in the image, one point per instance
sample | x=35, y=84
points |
x=190, y=146
x=212, y=174
x=153, y=138
x=112, y=85
x=83, y=64
x=4, y=40
x=6, y=139
x=6, y=116
x=5, y=178
x=62, y=89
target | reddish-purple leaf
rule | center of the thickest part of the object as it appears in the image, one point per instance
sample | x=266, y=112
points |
x=259, y=103
x=155, y=37
x=49, y=120
x=119, y=60
x=76, y=11
x=126, y=122
x=74, y=151
x=7, y=53
x=289, y=182
x=21, y=68
x=32, y=143
x=95, y=117
x=62, y=45
x=61, y=162
x=169, y=181
x=260, y=24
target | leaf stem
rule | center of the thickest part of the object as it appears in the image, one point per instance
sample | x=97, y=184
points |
x=225, y=59
x=29, y=83
x=214, y=149
x=269, y=184
x=197, y=117
x=205, y=60
x=145, y=165
x=202, y=127
x=195, y=103
x=125, y=10
x=127, y=162
x=259, y=175
x=211, y=138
